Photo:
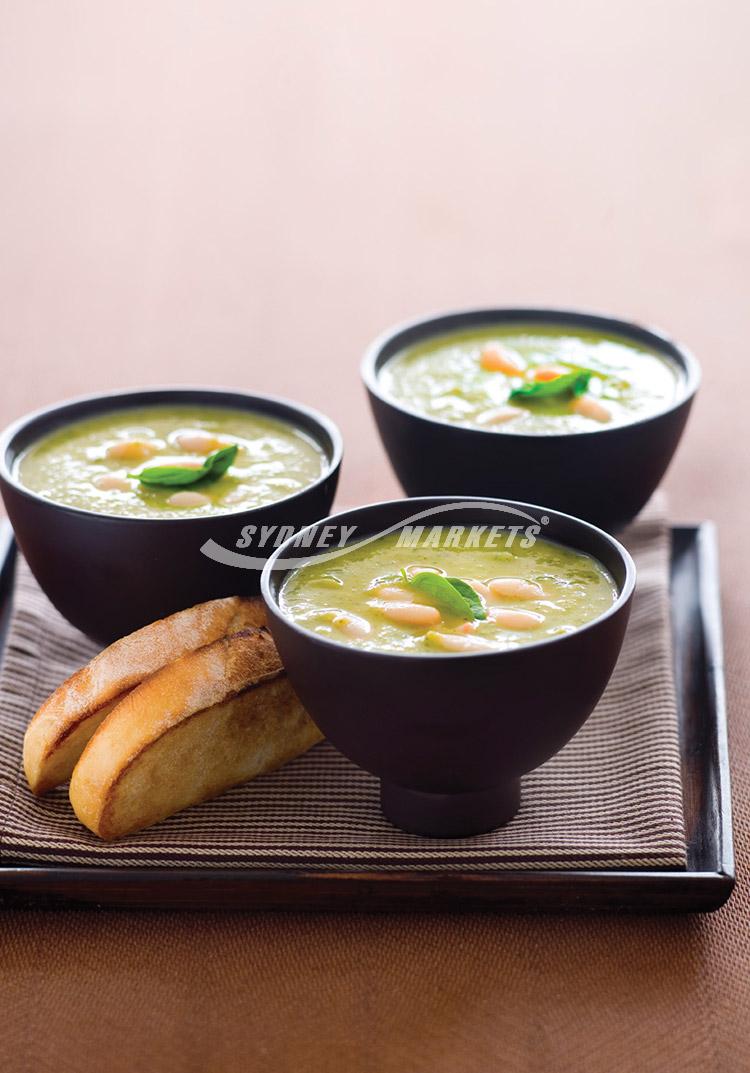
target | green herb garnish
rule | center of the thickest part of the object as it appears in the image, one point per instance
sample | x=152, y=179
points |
x=215, y=466
x=574, y=384
x=450, y=593
x=470, y=595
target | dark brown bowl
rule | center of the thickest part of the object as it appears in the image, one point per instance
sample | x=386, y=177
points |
x=449, y=735
x=110, y=575
x=605, y=476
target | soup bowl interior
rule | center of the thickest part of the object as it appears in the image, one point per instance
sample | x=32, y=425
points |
x=110, y=574
x=449, y=735
x=604, y=476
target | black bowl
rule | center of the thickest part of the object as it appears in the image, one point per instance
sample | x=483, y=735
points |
x=110, y=575
x=605, y=475
x=450, y=735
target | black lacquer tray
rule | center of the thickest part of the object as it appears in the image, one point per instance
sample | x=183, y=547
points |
x=704, y=885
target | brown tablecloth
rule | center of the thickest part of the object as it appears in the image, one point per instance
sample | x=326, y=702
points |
x=246, y=194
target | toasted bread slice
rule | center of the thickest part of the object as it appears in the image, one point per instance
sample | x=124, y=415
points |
x=57, y=734
x=210, y=720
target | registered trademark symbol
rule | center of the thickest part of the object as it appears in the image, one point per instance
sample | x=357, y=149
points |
x=545, y=519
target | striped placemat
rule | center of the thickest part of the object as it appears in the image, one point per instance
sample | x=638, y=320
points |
x=612, y=798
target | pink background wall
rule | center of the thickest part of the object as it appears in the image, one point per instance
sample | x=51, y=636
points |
x=246, y=193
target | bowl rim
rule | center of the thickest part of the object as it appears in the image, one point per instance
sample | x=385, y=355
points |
x=122, y=396
x=624, y=596
x=662, y=342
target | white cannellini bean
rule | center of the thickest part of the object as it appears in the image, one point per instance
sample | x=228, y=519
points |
x=351, y=625
x=549, y=372
x=509, y=619
x=408, y=614
x=496, y=358
x=515, y=588
x=478, y=586
x=498, y=416
x=109, y=482
x=391, y=592
x=416, y=568
x=188, y=499
x=587, y=406
x=132, y=450
x=199, y=443
x=452, y=642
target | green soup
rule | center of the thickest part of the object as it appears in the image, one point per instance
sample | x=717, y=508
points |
x=93, y=464
x=393, y=595
x=508, y=378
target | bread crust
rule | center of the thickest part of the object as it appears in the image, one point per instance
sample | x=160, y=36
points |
x=210, y=720
x=60, y=730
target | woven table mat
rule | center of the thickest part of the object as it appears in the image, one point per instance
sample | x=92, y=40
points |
x=611, y=798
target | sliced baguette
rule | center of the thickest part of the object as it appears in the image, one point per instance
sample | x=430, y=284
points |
x=58, y=733
x=210, y=720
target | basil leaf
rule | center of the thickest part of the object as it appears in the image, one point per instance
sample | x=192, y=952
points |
x=439, y=589
x=573, y=384
x=463, y=588
x=448, y=594
x=581, y=384
x=219, y=462
x=214, y=466
x=169, y=476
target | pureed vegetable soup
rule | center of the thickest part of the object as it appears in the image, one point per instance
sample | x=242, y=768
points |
x=171, y=462
x=532, y=379
x=444, y=594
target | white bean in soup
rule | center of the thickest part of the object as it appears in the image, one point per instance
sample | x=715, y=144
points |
x=533, y=379
x=102, y=464
x=451, y=596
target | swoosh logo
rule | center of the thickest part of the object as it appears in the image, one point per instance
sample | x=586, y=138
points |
x=236, y=559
